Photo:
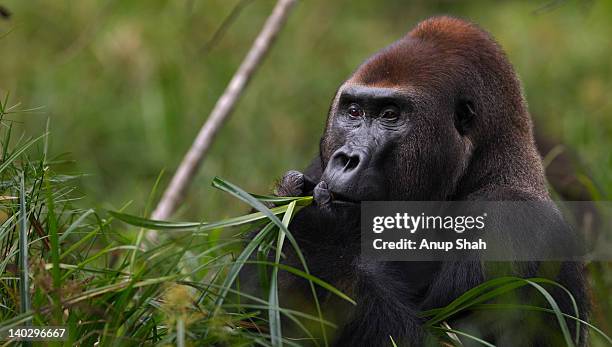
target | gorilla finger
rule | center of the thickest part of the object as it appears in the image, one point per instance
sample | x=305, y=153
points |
x=322, y=196
x=291, y=184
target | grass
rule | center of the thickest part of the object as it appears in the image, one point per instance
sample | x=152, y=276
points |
x=83, y=271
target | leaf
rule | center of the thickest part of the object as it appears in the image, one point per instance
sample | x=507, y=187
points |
x=540, y=309
x=273, y=311
x=193, y=226
x=239, y=263
x=75, y=225
x=472, y=337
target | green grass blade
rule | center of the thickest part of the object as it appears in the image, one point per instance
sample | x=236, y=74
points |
x=142, y=231
x=572, y=299
x=55, y=248
x=551, y=301
x=274, y=311
x=265, y=305
x=239, y=263
x=300, y=200
x=193, y=226
x=24, y=275
x=307, y=276
x=76, y=224
x=541, y=309
x=7, y=140
x=10, y=160
x=285, y=311
x=91, y=234
x=471, y=337
x=466, y=298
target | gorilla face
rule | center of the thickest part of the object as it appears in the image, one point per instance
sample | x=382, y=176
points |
x=394, y=143
x=367, y=124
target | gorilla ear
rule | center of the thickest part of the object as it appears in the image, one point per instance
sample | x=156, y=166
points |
x=464, y=115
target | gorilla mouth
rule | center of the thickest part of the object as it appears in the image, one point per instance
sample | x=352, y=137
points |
x=325, y=196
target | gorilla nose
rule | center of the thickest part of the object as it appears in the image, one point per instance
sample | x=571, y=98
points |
x=345, y=162
x=343, y=170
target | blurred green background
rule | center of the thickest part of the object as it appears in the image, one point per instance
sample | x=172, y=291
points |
x=127, y=84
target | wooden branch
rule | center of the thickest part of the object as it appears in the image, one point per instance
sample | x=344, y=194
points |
x=175, y=193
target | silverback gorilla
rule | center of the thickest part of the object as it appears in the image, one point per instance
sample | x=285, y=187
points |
x=438, y=115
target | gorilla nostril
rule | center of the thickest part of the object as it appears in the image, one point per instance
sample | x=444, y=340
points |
x=352, y=163
x=340, y=160
x=345, y=163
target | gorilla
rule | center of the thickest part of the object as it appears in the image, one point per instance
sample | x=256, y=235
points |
x=439, y=115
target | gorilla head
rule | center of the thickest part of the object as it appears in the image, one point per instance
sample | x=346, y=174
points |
x=438, y=109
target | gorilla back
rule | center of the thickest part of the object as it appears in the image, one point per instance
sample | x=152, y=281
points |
x=438, y=115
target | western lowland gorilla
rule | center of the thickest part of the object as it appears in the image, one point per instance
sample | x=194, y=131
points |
x=438, y=115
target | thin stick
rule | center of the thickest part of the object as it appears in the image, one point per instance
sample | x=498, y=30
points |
x=175, y=193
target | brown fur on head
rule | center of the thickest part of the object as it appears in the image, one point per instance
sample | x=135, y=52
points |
x=444, y=62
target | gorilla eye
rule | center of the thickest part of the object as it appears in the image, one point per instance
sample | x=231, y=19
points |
x=389, y=114
x=355, y=111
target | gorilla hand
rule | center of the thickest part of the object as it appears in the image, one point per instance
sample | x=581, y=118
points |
x=295, y=183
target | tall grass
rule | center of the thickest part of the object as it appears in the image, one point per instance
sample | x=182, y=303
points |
x=82, y=270
x=65, y=265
